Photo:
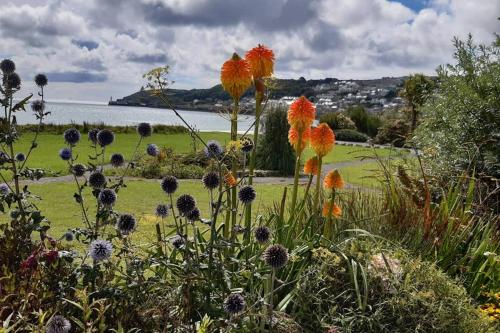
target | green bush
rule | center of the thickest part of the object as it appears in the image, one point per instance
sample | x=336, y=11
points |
x=337, y=120
x=274, y=152
x=365, y=122
x=350, y=135
x=394, y=132
x=85, y=127
x=392, y=293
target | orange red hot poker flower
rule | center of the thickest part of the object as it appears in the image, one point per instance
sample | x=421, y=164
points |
x=261, y=61
x=322, y=139
x=311, y=166
x=301, y=113
x=333, y=180
x=236, y=76
x=336, y=211
x=293, y=138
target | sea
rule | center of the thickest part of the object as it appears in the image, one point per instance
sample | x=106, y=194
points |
x=93, y=113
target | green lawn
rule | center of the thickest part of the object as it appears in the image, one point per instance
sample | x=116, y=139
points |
x=140, y=198
x=46, y=155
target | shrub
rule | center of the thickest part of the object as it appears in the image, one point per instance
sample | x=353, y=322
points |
x=337, y=120
x=394, y=132
x=350, y=135
x=460, y=125
x=274, y=152
x=393, y=293
x=365, y=122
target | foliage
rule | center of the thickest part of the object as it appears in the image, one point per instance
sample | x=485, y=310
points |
x=394, y=132
x=417, y=89
x=350, y=135
x=460, y=128
x=402, y=294
x=337, y=120
x=274, y=152
x=86, y=127
x=365, y=122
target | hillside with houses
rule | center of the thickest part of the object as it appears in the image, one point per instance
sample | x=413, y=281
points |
x=328, y=94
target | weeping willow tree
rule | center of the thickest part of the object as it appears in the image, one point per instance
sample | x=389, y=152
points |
x=274, y=152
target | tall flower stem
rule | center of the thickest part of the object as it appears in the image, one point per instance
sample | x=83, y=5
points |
x=251, y=167
x=234, y=167
x=297, y=171
x=270, y=302
x=318, y=184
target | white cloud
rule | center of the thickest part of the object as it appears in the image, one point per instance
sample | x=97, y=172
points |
x=314, y=39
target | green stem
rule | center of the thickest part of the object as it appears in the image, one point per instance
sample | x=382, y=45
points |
x=234, y=168
x=251, y=167
x=318, y=184
x=297, y=172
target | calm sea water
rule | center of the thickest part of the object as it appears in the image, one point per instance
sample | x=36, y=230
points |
x=66, y=113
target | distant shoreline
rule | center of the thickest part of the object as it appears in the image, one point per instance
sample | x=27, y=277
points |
x=183, y=107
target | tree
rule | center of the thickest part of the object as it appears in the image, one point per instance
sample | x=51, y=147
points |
x=274, y=152
x=416, y=90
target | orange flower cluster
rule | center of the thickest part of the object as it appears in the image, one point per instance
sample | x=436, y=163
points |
x=333, y=180
x=261, y=61
x=336, y=211
x=322, y=139
x=236, y=76
x=293, y=138
x=301, y=113
x=311, y=166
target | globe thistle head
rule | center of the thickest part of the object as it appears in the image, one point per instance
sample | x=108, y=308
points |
x=178, y=241
x=193, y=215
x=3, y=157
x=12, y=81
x=7, y=66
x=97, y=179
x=69, y=236
x=211, y=180
x=144, y=129
x=262, y=234
x=72, y=136
x=162, y=210
x=100, y=250
x=78, y=170
x=247, y=194
x=126, y=224
x=169, y=184
x=152, y=150
x=105, y=137
x=117, y=160
x=93, y=135
x=213, y=149
x=14, y=214
x=58, y=324
x=41, y=80
x=246, y=145
x=276, y=256
x=107, y=197
x=4, y=189
x=65, y=154
x=38, y=106
x=20, y=157
x=185, y=204
x=234, y=303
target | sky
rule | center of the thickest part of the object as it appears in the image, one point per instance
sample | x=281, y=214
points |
x=94, y=49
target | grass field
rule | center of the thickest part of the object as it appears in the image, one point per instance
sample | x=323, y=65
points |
x=140, y=198
x=45, y=156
